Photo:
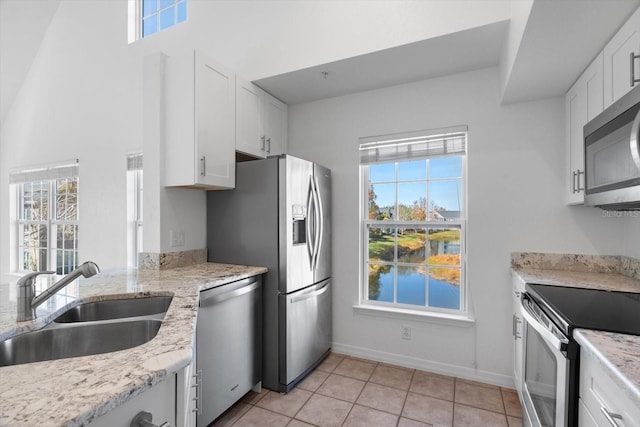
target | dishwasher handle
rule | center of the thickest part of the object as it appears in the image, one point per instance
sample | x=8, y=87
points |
x=231, y=290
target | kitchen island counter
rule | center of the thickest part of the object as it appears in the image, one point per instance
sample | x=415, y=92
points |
x=75, y=391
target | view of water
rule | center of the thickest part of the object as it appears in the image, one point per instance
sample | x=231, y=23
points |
x=411, y=290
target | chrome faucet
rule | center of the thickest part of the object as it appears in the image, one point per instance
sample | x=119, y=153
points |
x=27, y=301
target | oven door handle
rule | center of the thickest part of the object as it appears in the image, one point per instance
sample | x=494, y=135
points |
x=547, y=335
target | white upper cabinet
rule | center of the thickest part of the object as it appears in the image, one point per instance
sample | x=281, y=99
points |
x=583, y=102
x=275, y=125
x=199, y=122
x=618, y=61
x=261, y=121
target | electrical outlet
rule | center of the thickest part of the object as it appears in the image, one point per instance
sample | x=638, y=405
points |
x=405, y=333
x=176, y=238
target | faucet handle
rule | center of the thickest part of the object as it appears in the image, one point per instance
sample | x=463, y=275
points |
x=29, y=279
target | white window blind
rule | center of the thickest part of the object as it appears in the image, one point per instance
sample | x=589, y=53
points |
x=63, y=170
x=413, y=145
x=134, y=162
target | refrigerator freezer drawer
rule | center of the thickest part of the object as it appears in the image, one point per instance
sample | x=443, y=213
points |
x=306, y=329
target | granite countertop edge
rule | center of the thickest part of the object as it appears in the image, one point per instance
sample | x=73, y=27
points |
x=73, y=392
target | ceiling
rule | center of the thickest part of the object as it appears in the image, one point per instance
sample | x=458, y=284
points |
x=466, y=50
x=560, y=39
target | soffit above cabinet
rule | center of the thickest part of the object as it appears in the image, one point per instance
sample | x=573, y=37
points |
x=462, y=51
x=559, y=40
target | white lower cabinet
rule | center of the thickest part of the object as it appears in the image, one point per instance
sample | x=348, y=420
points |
x=189, y=383
x=584, y=416
x=159, y=401
x=518, y=334
x=603, y=403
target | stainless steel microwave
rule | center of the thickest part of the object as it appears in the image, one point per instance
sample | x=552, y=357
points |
x=612, y=155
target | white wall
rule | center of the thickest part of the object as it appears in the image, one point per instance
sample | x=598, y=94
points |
x=515, y=199
x=82, y=96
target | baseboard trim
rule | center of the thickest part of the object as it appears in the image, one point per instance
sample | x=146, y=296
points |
x=425, y=365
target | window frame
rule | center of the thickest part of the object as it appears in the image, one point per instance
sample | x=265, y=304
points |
x=52, y=224
x=135, y=192
x=136, y=19
x=395, y=308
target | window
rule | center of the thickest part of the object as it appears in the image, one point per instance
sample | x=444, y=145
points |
x=134, y=208
x=158, y=15
x=413, y=220
x=47, y=218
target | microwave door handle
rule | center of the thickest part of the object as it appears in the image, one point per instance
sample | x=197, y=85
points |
x=635, y=140
x=546, y=334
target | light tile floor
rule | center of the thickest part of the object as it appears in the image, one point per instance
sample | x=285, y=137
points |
x=345, y=391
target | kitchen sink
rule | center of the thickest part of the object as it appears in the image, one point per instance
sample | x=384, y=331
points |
x=115, y=309
x=58, y=341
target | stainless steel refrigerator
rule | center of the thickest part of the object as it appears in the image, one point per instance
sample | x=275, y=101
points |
x=278, y=216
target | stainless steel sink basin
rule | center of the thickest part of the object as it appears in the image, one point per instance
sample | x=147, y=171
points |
x=115, y=309
x=64, y=341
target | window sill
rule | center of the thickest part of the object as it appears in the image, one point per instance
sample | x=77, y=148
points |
x=462, y=320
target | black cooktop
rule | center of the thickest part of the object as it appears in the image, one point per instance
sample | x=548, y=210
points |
x=589, y=308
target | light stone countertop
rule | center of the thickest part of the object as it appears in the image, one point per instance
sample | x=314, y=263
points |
x=580, y=279
x=74, y=391
x=618, y=354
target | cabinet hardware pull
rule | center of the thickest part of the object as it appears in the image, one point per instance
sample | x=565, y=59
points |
x=632, y=59
x=262, y=138
x=578, y=187
x=611, y=417
x=198, y=398
x=144, y=419
x=573, y=182
x=268, y=145
x=203, y=160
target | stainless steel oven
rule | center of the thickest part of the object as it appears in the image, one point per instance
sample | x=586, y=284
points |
x=550, y=369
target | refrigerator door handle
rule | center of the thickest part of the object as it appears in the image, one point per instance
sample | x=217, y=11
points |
x=311, y=294
x=319, y=222
x=310, y=245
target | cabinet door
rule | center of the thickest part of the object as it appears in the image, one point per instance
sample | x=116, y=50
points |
x=585, y=419
x=584, y=101
x=214, y=123
x=250, y=137
x=158, y=400
x=617, y=61
x=602, y=395
x=275, y=125
x=518, y=333
x=188, y=384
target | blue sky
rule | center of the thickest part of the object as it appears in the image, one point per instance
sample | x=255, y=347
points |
x=445, y=193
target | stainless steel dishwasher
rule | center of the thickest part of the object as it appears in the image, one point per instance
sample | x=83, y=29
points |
x=228, y=345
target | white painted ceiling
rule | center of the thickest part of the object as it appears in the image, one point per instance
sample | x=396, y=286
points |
x=561, y=38
x=466, y=50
